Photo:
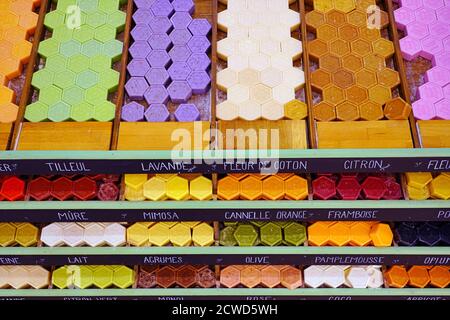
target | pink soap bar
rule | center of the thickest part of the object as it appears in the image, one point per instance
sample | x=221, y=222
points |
x=438, y=75
x=443, y=109
x=431, y=91
x=424, y=109
x=411, y=48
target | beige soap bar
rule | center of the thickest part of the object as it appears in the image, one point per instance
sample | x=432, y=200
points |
x=227, y=111
x=226, y=79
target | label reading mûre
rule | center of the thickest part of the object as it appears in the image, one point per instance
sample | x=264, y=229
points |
x=10, y=261
x=72, y=216
x=352, y=215
x=160, y=216
x=162, y=260
x=62, y=167
x=8, y=167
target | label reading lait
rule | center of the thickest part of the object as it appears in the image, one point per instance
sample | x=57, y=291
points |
x=78, y=260
x=7, y=261
x=67, y=167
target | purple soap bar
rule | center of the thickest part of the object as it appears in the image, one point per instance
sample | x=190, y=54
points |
x=160, y=42
x=443, y=109
x=138, y=67
x=187, y=113
x=142, y=16
x=180, y=53
x=180, y=37
x=184, y=5
x=446, y=91
x=438, y=75
x=199, y=44
x=431, y=91
x=179, y=91
x=179, y=71
x=132, y=112
x=157, y=113
x=199, y=82
x=141, y=32
x=136, y=88
x=156, y=94
x=160, y=25
x=140, y=49
x=162, y=8
x=158, y=58
x=145, y=4
x=157, y=76
x=199, y=62
x=181, y=20
x=200, y=27
x=424, y=109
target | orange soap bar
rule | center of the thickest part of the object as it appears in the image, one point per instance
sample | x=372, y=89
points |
x=397, y=277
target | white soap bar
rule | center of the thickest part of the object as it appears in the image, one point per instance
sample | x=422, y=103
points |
x=249, y=77
x=248, y=47
x=272, y=110
x=261, y=93
x=334, y=277
x=314, y=276
x=259, y=61
x=283, y=94
x=52, y=235
x=280, y=32
x=357, y=277
x=73, y=235
x=269, y=19
x=292, y=47
x=258, y=32
x=294, y=78
x=290, y=18
x=281, y=61
x=376, y=279
x=238, y=94
x=259, y=6
x=271, y=77
x=226, y=48
x=94, y=235
x=270, y=47
x=226, y=18
x=227, y=111
x=247, y=18
x=226, y=78
x=115, y=235
x=237, y=5
x=237, y=32
x=238, y=62
x=249, y=110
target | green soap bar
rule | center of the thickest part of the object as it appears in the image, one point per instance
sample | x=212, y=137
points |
x=108, y=6
x=42, y=78
x=82, y=112
x=87, y=79
x=50, y=95
x=295, y=234
x=282, y=224
x=92, y=48
x=62, y=34
x=230, y=223
x=117, y=20
x=245, y=235
x=62, y=5
x=78, y=63
x=105, y=33
x=271, y=234
x=36, y=112
x=83, y=278
x=73, y=95
x=109, y=79
x=59, y=112
x=257, y=223
x=96, y=95
x=84, y=34
x=113, y=49
x=100, y=63
x=226, y=237
x=48, y=47
x=70, y=48
x=105, y=111
x=96, y=19
x=88, y=6
x=56, y=63
x=54, y=20
x=64, y=79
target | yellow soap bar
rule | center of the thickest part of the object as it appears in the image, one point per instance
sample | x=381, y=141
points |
x=62, y=277
x=155, y=189
x=83, y=277
x=103, y=277
x=418, y=179
x=135, y=181
x=418, y=193
x=27, y=235
x=7, y=234
x=132, y=194
x=123, y=277
x=203, y=235
x=440, y=187
x=201, y=188
x=159, y=235
x=137, y=235
x=177, y=188
x=180, y=235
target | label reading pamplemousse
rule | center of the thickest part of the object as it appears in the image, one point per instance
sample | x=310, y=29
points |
x=162, y=260
x=62, y=167
x=77, y=260
x=443, y=214
x=160, y=216
x=72, y=216
x=8, y=167
x=9, y=260
x=333, y=260
x=438, y=165
x=373, y=165
x=352, y=214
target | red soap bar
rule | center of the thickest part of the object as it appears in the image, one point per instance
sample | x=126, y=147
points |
x=40, y=189
x=97, y=177
x=349, y=188
x=111, y=178
x=324, y=188
x=374, y=188
x=62, y=189
x=393, y=190
x=84, y=188
x=13, y=189
x=108, y=192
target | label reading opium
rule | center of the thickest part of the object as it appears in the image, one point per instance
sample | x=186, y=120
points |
x=436, y=261
x=162, y=260
x=63, y=167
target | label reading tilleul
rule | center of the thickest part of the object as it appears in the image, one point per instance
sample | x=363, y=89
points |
x=72, y=216
x=375, y=165
x=67, y=167
x=8, y=167
x=352, y=214
x=160, y=216
x=163, y=260
x=443, y=214
x=438, y=165
x=362, y=260
x=77, y=260
x=10, y=261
